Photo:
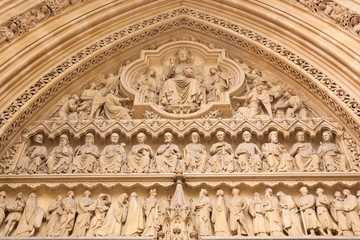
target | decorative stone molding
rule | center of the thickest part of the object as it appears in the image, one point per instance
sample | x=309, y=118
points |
x=335, y=12
x=311, y=77
x=20, y=24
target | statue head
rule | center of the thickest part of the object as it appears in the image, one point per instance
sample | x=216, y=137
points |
x=246, y=136
x=300, y=136
x=153, y=192
x=219, y=192
x=257, y=196
x=304, y=190
x=133, y=195
x=183, y=55
x=235, y=192
x=220, y=135
x=123, y=198
x=39, y=138
x=203, y=192
x=141, y=137
x=70, y=194
x=273, y=137
x=326, y=136
x=337, y=195
x=168, y=136
x=20, y=195
x=87, y=193
x=89, y=139
x=195, y=137
x=114, y=138
x=346, y=192
x=268, y=192
x=319, y=191
x=64, y=139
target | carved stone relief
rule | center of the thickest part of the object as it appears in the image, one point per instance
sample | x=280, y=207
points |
x=181, y=116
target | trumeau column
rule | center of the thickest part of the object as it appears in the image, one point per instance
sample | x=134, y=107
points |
x=179, y=124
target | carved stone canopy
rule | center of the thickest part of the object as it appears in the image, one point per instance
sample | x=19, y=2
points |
x=202, y=58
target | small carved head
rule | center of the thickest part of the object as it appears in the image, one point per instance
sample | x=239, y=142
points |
x=70, y=194
x=235, y=192
x=87, y=193
x=346, y=192
x=89, y=139
x=273, y=137
x=133, y=194
x=220, y=135
x=183, y=54
x=168, y=137
x=64, y=139
x=300, y=136
x=319, y=191
x=326, y=136
x=114, y=138
x=20, y=195
x=246, y=136
x=257, y=196
x=153, y=192
x=195, y=137
x=268, y=192
x=203, y=192
x=304, y=190
x=220, y=192
x=337, y=195
x=39, y=138
x=141, y=137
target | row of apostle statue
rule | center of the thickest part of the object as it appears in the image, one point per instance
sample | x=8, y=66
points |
x=274, y=215
x=273, y=157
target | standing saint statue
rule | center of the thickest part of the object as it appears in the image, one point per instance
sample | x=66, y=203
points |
x=289, y=215
x=308, y=214
x=322, y=210
x=350, y=208
x=195, y=156
x=272, y=214
x=67, y=218
x=2, y=206
x=168, y=155
x=219, y=216
x=202, y=213
x=53, y=214
x=86, y=207
x=336, y=210
x=248, y=154
x=15, y=210
x=152, y=214
x=135, y=221
x=60, y=157
x=31, y=218
x=222, y=155
x=102, y=206
x=115, y=218
x=86, y=157
x=140, y=155
x=113, y=156
x=237, y=206
x=256, y=210
x=181, y=86
x=305, y=156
